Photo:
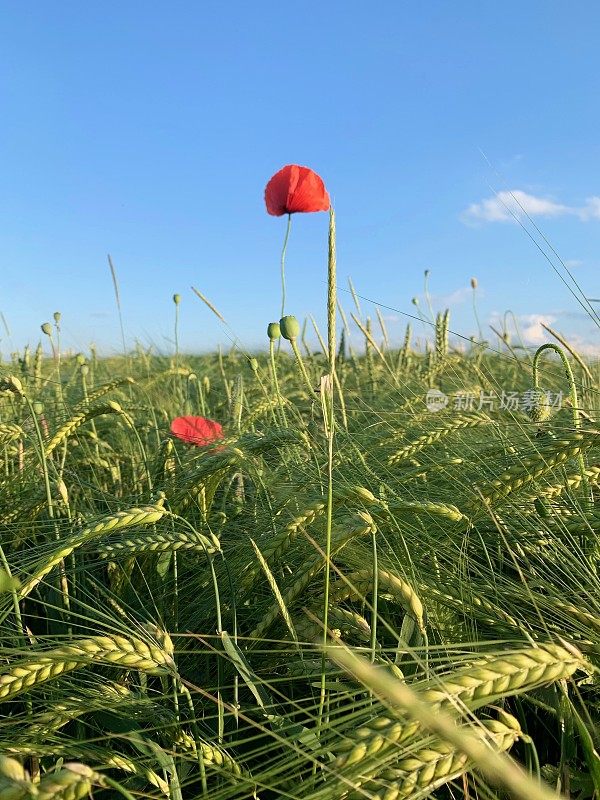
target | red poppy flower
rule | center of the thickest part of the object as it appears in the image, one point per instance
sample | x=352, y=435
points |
x=197, y=430
x=296, y=189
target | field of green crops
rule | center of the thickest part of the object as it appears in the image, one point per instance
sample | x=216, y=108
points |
x=348, y=596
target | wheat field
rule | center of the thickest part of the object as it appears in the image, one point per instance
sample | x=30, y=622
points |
x=368, y=598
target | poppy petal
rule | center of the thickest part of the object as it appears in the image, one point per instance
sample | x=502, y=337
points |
x=310, y=193
x=196, y=430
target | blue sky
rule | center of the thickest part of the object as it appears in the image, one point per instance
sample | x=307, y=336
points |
x=148, y=130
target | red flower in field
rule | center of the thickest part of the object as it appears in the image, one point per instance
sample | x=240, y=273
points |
x=296, y=189
x=197, y=430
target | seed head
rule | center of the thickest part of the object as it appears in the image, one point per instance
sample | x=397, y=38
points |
x=177, y=299
x=46, y=328
x=57, y=315
x=254, y=364
x=38, y=408
x=80, y=359
x=473, y=283
x=273, y=331
x=290, y=327
x=84, y=370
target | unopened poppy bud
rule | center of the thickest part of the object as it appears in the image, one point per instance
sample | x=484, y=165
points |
x=38, y=408
x=273, y=331
x=206, y=383
x=57, y=315
x=473, y=283
x=254, y=364
x=415, y=301
x=46, y=328
x=177, y=299
x=290, y=327
x=85, y=370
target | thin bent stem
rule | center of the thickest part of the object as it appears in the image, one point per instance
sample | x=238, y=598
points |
x=283, y=252
x=572, y=396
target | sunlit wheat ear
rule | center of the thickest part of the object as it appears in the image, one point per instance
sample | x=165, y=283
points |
x=442, y=322
x=511, y=673
x=273, y=550
x=426, y=769
x=127, y=653
x=158, y=542
x=146, y=515
x=572, y=481
x=474, y=686
x=359, y=525
x=15, y=783
x=530, y=468
x=131, y=767
x=357, y=586
x=215, y=757
x=447, y=427
x=71, y=426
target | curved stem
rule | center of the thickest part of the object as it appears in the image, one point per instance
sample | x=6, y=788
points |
x=569, y=375
x=572, y=396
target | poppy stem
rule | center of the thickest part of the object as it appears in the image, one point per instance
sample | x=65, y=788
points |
x=283, y=252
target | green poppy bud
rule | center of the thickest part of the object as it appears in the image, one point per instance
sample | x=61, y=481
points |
x=47, y=328
x=177, y=299
x=273, y=331
x=290, y=327
x=57, y=315
x=38, y=407
x=84, y=370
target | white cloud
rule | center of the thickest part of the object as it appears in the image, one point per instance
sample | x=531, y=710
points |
x=533, y=334
x=584, y=347
x=453, y=298
x=532, y=331
x=509, y=206
x=591, y=210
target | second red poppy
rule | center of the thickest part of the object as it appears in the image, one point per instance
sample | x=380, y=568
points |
x=197, y=430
